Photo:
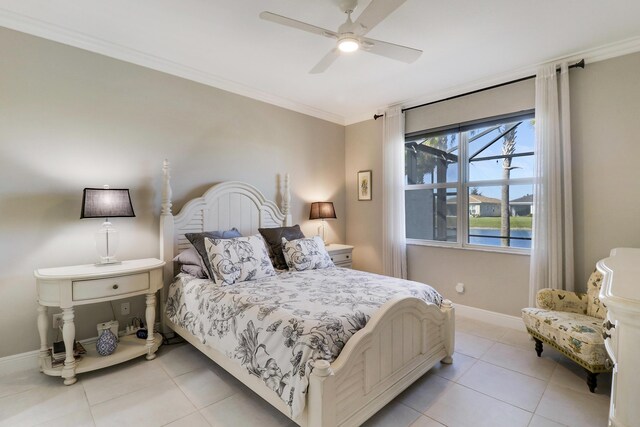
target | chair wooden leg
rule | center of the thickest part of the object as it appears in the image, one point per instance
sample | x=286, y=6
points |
x=538, y=346
x=592, y=381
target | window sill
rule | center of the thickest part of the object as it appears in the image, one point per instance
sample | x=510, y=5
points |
x=467, y=247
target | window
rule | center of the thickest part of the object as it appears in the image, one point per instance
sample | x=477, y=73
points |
x=471, y=184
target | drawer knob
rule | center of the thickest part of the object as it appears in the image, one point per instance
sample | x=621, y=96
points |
x=115, y=286
x=347, y=256
x=609, y=364
x=605, y=335
x=608, y=325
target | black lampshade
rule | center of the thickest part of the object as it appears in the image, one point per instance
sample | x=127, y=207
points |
x=322, y=210
x=106, y=203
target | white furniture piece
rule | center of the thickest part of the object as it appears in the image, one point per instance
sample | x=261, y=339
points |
x=401, y=342
x=67, y=287
x=620, y=292
x=340, y=254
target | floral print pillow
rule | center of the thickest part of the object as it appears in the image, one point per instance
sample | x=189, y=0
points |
x=238, y=260
x=306, y=254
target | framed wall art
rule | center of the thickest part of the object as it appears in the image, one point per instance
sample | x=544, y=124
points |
x=364, y=185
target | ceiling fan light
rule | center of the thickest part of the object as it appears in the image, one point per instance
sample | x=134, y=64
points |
x=348, y=44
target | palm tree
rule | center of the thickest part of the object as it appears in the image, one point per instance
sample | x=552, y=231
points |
x=508, y=148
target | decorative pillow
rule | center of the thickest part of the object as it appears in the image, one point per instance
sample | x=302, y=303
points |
x=189, y=257
x=274, y=236
x=306, y=254
x=238, y=260
x=197, y=240
x=194, y=270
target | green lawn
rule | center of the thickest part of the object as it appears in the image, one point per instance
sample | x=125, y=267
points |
x=494, y=222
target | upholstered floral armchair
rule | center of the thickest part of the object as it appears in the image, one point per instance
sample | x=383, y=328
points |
x=571, y=323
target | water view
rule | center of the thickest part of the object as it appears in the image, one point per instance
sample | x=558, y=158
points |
x=495, y=241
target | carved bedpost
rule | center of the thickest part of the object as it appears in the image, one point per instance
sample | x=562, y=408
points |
x=166, y=238
x=448, y=330
x=166, y=188
x=321, y=412
x=286, y=200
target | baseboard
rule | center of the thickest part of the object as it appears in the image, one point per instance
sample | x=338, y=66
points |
x=19, y=362
x=491, y=317
x=29, y=360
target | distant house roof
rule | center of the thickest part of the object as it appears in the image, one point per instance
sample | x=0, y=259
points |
x=524, y=200
x=476, y=199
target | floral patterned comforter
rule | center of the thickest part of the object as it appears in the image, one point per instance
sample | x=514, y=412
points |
x=275, y=326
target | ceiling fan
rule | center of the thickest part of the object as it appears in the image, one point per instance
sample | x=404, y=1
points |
x=351, y=35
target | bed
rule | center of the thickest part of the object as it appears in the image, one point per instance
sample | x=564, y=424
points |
x=404, y=335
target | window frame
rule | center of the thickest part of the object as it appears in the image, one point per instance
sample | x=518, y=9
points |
x=463, y=186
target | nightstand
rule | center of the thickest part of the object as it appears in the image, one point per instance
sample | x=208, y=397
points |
x=340, y=254
x=67, y=287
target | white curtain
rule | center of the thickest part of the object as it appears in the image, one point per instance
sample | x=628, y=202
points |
x=394, y=251
x=552, y=250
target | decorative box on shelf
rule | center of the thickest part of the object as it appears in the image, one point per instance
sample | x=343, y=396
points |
x=67, y=287
x=340, y=254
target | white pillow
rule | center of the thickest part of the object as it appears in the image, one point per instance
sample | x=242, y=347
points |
x=238, y=259
x=306, y=254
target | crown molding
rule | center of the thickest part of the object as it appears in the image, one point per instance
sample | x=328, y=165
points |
x=590, y=56
x=25, y=24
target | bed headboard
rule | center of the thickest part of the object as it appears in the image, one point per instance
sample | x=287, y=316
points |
x=223, y=206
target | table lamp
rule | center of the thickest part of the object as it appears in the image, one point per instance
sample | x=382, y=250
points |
x=106, y=203
x=322, y=211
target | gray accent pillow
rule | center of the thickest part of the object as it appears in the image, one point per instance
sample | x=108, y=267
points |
x=191, y=263
x=194, y=270
x=197, y=240
x=273, y=237
x=189, y=257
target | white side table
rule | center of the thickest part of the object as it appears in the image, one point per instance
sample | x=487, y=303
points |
x=341, y=255
x=67, y=287
x=621, y=332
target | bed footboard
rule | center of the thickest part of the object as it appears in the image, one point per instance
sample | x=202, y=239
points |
x=405, y=339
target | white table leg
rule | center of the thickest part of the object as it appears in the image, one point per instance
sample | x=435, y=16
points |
x=150, y=317
x=69, y=336
x=43, y=324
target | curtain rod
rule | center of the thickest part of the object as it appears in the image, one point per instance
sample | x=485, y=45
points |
x=579, y=64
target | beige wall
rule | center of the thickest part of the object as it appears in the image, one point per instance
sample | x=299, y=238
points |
x=363, y=151
x=503, y=100
x=605, y=114
x=605, y=108
x=71, y=119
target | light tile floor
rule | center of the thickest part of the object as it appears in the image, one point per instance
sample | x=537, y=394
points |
x=496, y=380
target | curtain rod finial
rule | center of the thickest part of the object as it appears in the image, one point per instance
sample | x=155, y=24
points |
x=377, y=116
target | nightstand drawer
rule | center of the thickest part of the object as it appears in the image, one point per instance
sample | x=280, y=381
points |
x=103, y=288
x=341, y=258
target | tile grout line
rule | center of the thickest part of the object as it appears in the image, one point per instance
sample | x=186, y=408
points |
x=492, y=397
x=86, y=398
x=115, y=397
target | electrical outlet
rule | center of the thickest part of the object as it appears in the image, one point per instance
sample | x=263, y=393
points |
x=57, y=320
x=125, y=308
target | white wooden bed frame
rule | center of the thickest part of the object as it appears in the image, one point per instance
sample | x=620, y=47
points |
x=402, y=341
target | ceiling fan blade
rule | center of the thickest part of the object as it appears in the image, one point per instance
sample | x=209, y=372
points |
x=283, y=20
x=390, y=50
x=376, y=12
x=325, y=62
